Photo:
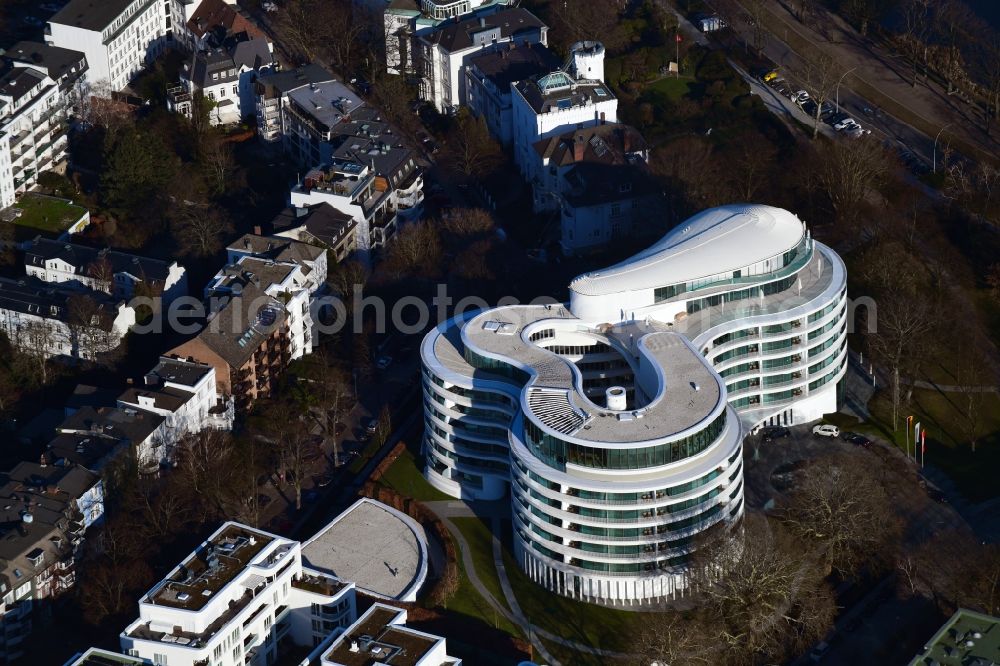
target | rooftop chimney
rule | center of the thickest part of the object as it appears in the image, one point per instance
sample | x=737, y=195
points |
x=626, y=141
x=578, y=147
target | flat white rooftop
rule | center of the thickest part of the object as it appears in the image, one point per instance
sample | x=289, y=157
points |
x=379, y=548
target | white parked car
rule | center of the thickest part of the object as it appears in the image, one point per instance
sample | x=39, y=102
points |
x=846, y=123
x=856, y=132
x=800, y=97
x=826, y=430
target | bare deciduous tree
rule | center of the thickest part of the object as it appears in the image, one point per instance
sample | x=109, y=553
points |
x=765, y=596
x=323, y=29
x=848, y=171
x=416, y=251
x=907, y=314
x=678, y=640
x=474, y=152
x=575, y=20
x=822, y=77
x=198, y=228
x=297, y=450
x=840, y=508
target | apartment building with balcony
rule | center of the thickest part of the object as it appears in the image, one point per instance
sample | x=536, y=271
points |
x=273, y=97
x=441, y=54
x=46, y=512
x=247, y=341
x=242, y=598
x=405, y=20
x=554, y=104
x=489, y=76
x=302, y=108
x=290, y=282
x=184, y=393
x=119, y=274
x=353, y=188
x=94, y=436
x=37, y=85
x=62, y=322
x=118, y=37
x=615, y=421
x=228, y=53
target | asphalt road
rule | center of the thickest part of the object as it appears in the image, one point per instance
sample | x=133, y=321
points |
x=882, y=124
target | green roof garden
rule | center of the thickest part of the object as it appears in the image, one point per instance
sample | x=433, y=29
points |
x=49, y=215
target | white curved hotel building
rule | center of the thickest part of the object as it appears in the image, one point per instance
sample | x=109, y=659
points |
x=616, y=421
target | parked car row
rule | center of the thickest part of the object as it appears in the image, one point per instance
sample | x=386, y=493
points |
x=841, y=122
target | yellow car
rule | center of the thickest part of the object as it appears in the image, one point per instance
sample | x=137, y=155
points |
x=770, y=76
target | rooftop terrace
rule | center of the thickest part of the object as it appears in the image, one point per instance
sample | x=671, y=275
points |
x=210, y=568
x=375, y=640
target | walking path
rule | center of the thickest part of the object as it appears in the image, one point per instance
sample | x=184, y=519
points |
x=446, y=510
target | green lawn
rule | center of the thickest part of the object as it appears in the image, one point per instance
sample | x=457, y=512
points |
x=47, y=213
x=371, y=448
x=584, y=623
x=467, y=601
x=942, y=415
x=480, y=539
x=672, y=87
x=406, y=478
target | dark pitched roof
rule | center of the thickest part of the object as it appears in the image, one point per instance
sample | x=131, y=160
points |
x=275, y=248
x=590, y=184
x=612, y=143
x=72, y=480
x=368, y=139
x=90, y=14
x=222, y=17
x=322, y=221
x=238, y=329
x=84, y=258
x=220, y=61
x=42, y=299
x=56, y=61
x=89, y=450
x=509, y=63
x=460, y=34
x=85, y=395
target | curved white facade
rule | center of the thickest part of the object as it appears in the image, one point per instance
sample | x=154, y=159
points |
x=734, y=319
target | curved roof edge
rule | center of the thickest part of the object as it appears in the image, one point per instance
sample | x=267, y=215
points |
x=711, y=242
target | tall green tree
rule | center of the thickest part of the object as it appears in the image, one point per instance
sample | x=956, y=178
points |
x=136, y=166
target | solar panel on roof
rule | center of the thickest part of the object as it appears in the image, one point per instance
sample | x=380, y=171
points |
x=600, y=92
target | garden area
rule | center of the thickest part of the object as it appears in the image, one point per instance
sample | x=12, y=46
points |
x=49, y=215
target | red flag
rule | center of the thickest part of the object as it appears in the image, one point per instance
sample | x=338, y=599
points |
x=923, y=442
x=679, y=40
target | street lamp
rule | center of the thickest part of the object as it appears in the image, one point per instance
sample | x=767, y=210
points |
x=843, y=76
x=935, y=144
